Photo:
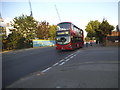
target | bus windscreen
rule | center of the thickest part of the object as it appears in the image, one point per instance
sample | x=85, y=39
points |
x=63, y=26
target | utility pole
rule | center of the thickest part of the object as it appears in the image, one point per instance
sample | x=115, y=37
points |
x=57, y=13
x=31, y=14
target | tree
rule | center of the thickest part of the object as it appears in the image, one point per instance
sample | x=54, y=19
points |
x=15, y=41
x=52, y=32
x=24, y=29
x=105, y=28
x=43, y=30
x=87, y=39
x=26, y=26
x=3, y=32
x=117, y=28
x=92, y=28
x=3, y=37
x=99, y=30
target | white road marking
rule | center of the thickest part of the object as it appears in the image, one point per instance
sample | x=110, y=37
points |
x=55, y=64
x=58, y=87
x=62, y=63
x=46, y=69
x=71, y=56
x=66, y=57
x=75, y=55
x=67, y=60
x=61, y=60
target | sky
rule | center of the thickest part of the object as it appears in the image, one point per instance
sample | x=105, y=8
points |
x=79, y=12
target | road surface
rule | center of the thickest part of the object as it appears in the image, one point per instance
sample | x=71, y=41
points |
x=91, y=67
x=17, y=64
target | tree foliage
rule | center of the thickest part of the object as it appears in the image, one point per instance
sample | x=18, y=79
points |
x=105, y=28
x=87, y=39
x=46, y=31
x=117, y=28
x=99, y=30
x=52, y=32
x=92, y=27
x=26, y=26
x=15, y=41
x=24, y=29
x=43, y=30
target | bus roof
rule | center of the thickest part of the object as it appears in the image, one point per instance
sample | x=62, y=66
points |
x=64, y=22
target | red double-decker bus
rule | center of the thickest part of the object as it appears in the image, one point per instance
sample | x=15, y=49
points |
x=69, y=36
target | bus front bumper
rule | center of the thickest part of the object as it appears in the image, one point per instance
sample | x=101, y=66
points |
x=64, y=47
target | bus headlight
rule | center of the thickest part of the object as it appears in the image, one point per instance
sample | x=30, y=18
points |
x=70, y=46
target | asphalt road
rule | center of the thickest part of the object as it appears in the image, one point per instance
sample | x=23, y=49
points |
x=91, y=67
x=17, y=64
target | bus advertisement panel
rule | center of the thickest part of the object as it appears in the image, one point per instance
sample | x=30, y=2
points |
x=43, y=43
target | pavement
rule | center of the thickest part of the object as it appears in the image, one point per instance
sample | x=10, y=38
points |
x=91, y=67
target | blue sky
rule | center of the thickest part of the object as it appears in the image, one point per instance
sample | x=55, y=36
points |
x=78, y=12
